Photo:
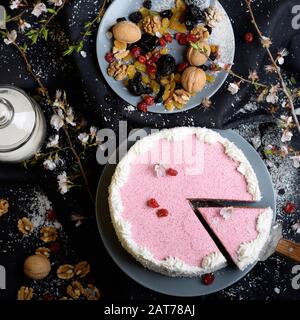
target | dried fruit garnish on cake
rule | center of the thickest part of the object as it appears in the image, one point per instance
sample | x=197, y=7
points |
x=141, y=58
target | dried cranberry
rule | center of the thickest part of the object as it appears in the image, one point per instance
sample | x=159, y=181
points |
x=208, y=279
x=54, y=247
x=142, y=106
x=155, y=57
x=136, y=52
x=183, y=40
x=51, y=215
x=249, y=37
x=151, y=69
x=161, y=213
x=109, y=57
x=152, y=203
x=172, y=172
x=192, y=38
x=162, y=42
x=182, y=66
x=289, y=208
x=178, y=36
x=142, y=59
x=149, y=100
x=168, y=37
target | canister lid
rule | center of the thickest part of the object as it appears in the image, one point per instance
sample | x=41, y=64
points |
x=17, y=118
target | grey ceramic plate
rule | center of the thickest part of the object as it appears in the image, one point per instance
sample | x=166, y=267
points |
x=182, y=287
x=222, y=35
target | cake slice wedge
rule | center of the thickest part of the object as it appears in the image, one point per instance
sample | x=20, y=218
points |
x=243, y=232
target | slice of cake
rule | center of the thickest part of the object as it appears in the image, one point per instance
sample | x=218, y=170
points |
x=149, y=193
x=242, y=231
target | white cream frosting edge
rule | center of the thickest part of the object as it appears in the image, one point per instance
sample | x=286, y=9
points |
x=172, y=266
x=248, y=252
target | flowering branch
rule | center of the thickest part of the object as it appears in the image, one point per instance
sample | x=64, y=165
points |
x=88, y=26
x=266, y=44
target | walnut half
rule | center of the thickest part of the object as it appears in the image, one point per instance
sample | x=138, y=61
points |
x=48, y=234
x=25, y=226
x=117, y=70
x=4, y=205
x=92, y=293
x=25, y=293
x=181, y=96
x=152, y=24
x=75, y=290
x=65, y=272
x=82, y=269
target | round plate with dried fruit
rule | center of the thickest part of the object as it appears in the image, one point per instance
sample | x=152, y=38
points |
x=165, y=56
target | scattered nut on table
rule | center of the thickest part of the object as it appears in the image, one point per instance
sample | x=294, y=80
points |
x=92, y=293
x=25, y=226
x=65, y=272
x=75, y=290
x=48, y=234
x=25, y=293
x=4, y=206
x=82, y=269
x=43, y=252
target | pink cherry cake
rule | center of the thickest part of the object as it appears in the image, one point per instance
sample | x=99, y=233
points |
x=242, y=231
x=151, y=189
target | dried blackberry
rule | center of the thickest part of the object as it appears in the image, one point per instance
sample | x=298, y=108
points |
x=209, y=29
x=190, y=24
x=204, y=68
x=147, y=4
x=166, y=65
x=159, y=96
x=121, y=19
x=195, y=13
x=148, y=90
x=135, y=17
x=148, y=42
x=135, y=85
x=213, y=56
x=166, y=14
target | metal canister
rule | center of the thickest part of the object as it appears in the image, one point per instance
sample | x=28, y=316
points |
x=22, y=125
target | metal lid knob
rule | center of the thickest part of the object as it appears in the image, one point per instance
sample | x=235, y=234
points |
x=6, y=112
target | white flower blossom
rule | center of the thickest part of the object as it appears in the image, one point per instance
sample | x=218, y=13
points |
x=49, y=165
x=287, y=135
x=84, y=138
x=53, y=141
x=57, y=120
x=266, y=42
x=93, y=132
x=272, y=96
x=39, y=9
x=15, y=4
x=11, y=37
x=284, y=150
x=296, y=161
x=63, y=183
x=281, y=54
x=58, y=160
x=253, y=76
x=56, y=3
x=296, y=227
x=70, y=117
x=286, y=121
x=23, y=25
x=233, y=88
x=160, y=170
x=226, y=213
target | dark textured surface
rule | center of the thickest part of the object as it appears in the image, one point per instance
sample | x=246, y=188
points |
x=101, y=107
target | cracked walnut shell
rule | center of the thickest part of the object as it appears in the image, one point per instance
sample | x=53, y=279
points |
x=4, y=205
x=65, y=272
x=25, y=293
x=152, y=24
x=75, y=290
x=117, y=70
x=82, y=269
x=25, y=226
